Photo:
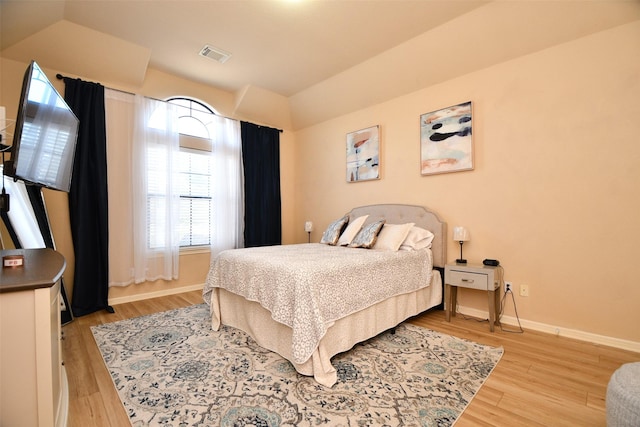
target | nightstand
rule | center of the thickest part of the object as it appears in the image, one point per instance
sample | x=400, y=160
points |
x=481, y=277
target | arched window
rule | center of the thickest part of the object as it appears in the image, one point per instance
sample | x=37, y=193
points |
x=196, y=182
x=195, y=117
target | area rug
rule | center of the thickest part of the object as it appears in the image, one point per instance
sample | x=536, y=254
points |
x=172, y=369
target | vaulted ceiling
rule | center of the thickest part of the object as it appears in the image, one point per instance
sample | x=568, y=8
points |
x=301, y=50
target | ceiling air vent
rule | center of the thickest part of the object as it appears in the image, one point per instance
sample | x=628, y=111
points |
x=215, y=53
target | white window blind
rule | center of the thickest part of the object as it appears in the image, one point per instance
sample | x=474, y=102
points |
x=195, y=184
x=195, y=188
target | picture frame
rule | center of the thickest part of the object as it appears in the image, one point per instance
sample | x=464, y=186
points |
x=363, y=154
x=446, y=140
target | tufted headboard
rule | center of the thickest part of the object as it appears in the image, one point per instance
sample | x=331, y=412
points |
x=400, y=214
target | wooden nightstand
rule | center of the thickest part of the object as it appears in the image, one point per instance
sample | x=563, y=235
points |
x=481, y=277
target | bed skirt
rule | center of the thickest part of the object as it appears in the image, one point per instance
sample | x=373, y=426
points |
x=233, y=310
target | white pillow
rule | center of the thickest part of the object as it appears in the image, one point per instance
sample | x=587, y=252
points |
x=352, y=230
x=418, y=238
x=392, y=235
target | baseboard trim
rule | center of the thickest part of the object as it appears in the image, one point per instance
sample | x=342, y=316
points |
x=155, y=294
x=468, y=311
x=556, y=330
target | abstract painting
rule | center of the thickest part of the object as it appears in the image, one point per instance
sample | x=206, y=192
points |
x=446, y=140
x=363, y=154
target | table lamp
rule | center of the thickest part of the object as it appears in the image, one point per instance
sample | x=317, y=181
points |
x=461, y=234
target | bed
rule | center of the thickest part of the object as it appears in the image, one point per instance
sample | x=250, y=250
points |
x=307, y=303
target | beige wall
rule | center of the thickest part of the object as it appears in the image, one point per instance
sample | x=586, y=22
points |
x=555, y=193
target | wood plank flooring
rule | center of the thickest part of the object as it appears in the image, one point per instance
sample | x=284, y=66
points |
x=541, y=380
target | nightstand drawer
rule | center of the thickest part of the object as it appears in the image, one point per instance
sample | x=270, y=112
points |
x=468, y=280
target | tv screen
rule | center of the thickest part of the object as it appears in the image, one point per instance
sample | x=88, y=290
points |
x=46, y=131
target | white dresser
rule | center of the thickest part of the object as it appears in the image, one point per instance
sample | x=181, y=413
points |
x=33, y=383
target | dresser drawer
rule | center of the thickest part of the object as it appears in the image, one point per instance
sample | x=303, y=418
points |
x=468, y=280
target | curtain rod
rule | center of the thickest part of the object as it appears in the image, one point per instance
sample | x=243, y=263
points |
x=61, y=77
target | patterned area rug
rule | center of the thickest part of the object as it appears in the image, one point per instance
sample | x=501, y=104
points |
x=171, y=369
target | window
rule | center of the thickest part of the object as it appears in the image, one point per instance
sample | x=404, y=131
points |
x=195, y=170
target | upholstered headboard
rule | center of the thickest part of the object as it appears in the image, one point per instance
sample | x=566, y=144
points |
x=400, y=214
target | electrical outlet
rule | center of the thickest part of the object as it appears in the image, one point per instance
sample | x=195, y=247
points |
x=508, y=286
x=524, y=290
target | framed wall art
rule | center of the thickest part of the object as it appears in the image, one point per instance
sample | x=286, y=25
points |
x=446, y=143
x=363, y=154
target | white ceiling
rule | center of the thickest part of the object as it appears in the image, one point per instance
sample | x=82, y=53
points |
x=296, y=49
x=283, y=46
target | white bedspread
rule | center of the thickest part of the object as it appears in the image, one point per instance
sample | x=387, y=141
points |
x=309, y=286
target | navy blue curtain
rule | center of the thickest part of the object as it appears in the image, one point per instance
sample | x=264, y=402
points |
x=88, y=207
x=262, y=201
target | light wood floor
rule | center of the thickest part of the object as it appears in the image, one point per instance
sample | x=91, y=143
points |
x=541, y=380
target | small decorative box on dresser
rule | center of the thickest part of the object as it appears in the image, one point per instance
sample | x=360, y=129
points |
x=481, y=277
x=33, y=389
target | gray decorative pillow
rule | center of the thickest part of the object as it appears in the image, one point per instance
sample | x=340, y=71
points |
x=368, y=235
x=334, y=230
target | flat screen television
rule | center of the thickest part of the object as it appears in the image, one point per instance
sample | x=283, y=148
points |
x=46, y=131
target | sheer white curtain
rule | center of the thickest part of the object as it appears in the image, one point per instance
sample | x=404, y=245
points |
x=227, y=220
x=156, y=199
x=142, y=146
x=119, y=114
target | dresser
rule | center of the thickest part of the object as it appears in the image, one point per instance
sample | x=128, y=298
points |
x=33, y=386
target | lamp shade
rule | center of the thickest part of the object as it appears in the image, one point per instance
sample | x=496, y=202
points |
x=461, y=234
